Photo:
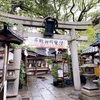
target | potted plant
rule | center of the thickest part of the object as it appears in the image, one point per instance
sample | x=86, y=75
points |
x=22, y=76
x=54, y=73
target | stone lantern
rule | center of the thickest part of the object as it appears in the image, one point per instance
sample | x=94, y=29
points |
x=11, y=77
x=89, y=74
x=90, y=91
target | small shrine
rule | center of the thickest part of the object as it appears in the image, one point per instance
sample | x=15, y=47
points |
x=9, y=77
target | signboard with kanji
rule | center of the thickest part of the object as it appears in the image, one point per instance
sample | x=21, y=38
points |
x=46, y=43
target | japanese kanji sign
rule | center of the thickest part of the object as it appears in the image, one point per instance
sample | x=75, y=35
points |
x=46, y=43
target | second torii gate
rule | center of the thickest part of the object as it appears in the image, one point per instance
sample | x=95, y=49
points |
x=73, y=38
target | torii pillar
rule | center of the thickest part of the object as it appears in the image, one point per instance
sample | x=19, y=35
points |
x=17, y=62
x=75, y=63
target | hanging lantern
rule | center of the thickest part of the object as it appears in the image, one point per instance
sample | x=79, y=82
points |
x=50, y=25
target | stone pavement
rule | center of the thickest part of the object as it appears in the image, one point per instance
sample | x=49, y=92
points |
x=41, y=88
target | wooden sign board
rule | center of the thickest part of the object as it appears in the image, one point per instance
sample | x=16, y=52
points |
x=60, y=73
x=58, y=57
x=46, y=42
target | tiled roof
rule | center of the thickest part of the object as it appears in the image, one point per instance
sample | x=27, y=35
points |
x=7, y=35
x=97, y=43
x=90, y=50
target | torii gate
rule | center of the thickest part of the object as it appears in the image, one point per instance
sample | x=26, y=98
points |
x=73, y=38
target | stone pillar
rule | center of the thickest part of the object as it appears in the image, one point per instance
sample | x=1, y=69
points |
x=75, y=64
x=17, y=61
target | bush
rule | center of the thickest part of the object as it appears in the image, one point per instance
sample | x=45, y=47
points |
x=22, y=74
x=54, y=71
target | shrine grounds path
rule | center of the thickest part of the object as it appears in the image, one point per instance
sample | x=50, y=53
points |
x=40, y=87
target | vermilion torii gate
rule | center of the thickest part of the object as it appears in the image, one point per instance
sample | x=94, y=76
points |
x=73, y=37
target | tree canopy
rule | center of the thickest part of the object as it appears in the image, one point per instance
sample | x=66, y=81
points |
x=66, y=10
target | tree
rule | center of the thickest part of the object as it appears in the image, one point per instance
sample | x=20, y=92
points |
x=66, y=10
x=90, y=33
x=84, y=6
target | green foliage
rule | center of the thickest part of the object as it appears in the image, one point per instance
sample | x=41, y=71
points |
x=70, y=66
x=43, y=8
x=5, y=5
x=22, y=74
x=16, y=45
x=24, y=47
x=65, y=54
x=76, y=10
x=53, y=60
x=54, y=71
x=90, y=33
x=49, y=61
x=29, y=48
